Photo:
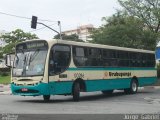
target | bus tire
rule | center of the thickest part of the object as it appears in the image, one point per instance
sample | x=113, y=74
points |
x=76, y=92
x=107, y=92
x=46, y=98
x=133, y=87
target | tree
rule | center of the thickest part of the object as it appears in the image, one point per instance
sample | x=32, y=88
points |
x=146, y=10
x=73, y=37
x=125, y=31
x=13, y=38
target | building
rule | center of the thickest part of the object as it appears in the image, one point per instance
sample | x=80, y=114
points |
x=83, y=32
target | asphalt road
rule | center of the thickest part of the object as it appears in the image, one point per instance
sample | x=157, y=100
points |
x=145, y=101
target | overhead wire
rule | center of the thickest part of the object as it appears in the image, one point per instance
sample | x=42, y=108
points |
x=12, y=15
x=28, y=18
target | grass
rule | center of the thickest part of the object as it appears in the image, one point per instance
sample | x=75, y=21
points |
x=5, y=79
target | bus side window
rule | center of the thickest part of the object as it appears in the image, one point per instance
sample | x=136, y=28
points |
x=94, y=57
x=51, y=64
x=79, y=56
x=59, y=59
x=109, y=58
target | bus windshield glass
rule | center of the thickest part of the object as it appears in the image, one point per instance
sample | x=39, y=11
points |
x=30, y=59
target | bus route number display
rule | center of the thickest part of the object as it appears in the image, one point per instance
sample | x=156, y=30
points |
x=32, y=45
x=35, y=45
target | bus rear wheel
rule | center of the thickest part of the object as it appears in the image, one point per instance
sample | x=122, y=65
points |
x=76, y=91
x=133, y=87
x=107, y=92
x=46, y=98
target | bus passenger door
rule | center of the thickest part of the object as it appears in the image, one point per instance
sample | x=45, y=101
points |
x=58, y=63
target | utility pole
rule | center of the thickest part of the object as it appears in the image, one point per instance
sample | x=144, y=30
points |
x=59, y=24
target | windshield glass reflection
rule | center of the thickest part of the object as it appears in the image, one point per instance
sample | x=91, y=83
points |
x=29, y=63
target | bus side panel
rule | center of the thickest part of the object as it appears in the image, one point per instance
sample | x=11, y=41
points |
x=61, y=87
x=147, y=81
x=98, y=85
x=109, y=84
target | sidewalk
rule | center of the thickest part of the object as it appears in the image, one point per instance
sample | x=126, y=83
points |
x=5, y=89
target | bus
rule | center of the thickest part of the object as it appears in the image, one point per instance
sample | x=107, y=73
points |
x=61, y=67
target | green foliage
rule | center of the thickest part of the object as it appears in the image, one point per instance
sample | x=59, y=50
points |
x=5, y=79
x=146, y=10
x=13, y=38
x=1, y=54
x=125, y=31
x=72, y=37
x=4, y=74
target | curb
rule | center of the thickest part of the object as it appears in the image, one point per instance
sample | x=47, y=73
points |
x=5, y=93
x=157, y=87
x=5, y=89
x=149, y=87
x=3, y=86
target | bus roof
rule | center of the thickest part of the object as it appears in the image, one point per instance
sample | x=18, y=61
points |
x=67, y=42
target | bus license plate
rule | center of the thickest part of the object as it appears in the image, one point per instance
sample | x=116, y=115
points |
x=24, y=89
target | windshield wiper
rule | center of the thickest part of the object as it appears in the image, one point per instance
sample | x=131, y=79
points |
x=33, y=56
x=24, y=66
x=17, y=59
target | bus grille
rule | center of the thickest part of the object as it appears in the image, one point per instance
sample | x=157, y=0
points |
x=29, y=91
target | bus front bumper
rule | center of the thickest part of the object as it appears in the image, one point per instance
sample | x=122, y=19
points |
x=30, y=90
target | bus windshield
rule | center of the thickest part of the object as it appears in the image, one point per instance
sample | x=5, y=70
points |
x=30, y=62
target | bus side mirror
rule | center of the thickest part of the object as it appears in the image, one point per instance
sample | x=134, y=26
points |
x=9, y=60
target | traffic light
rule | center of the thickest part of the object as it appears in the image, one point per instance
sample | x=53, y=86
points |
x=34, y=22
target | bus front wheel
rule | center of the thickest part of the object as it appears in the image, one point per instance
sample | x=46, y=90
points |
x=46, y=98
x=133, y=87
x=76, y=91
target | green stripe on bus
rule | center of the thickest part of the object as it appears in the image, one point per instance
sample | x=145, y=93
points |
x=54, y=88
x=110, y=68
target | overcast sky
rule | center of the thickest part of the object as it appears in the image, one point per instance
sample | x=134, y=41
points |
x=71, y=13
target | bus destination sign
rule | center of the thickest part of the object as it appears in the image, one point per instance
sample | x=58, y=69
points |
x=32, y=45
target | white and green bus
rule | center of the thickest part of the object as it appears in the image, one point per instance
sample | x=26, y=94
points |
x=60, y=67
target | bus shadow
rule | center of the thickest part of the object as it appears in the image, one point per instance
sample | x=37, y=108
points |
x=110, y=97
x=84, y=98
